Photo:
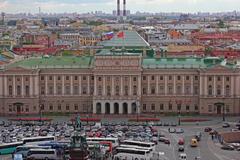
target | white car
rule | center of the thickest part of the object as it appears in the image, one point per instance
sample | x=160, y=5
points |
x=183, y=156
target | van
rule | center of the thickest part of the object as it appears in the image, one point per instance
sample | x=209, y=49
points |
x=43, y=154
x=183, y=156
x=194, y=142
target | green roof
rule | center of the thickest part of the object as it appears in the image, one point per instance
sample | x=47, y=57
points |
x=120, y=52
x=184, y=63
x=60, y=62
x=131, y=40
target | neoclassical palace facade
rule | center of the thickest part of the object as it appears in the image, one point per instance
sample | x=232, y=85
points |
x=120, y=83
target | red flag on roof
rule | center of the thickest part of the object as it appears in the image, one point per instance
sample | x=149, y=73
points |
x=120, y=35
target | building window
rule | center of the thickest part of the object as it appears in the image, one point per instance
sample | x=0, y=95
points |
x=153, y=107
x=144, y=91
x=161, y=106
x=195, y=90
x=153, y=78
x=99, y=90
x=210, y=91
x=209, y=79
x=84, y=78
x=42, y=78
x=178, y=78
x=161, y=78
x=59, y=90
x=135, y=90
x=161, y=89
x=170, y=89
x=67, y=90
x=50, y=90
x=187, y=90
x=210, y=108
x=50, y=107
x=196, y=107
x=84, y=90
x=227, y=108
x=27, y=90
x=126, y=90
x=75, y=107
x=152, y=90
x=134, y=79
x=91, y=89
x=108, y=79
x=117, y=90
x=59, y=78
x=26, y=79
x=75, y=78
x=227, y=79
x=75, y=90
x=18, y=90
x=169, y=78
x=42, y=90
x=179, y=89
x=50, y=78
x=196, y=78
x=144, y=107
x=99, y=79
x=59, y=107
x=227, y=90
x=219, y=78
x=218, y=90
x=67, y=107
x=170, y=106
x=187, y=78
x=108, y=90
x=10, y=108
x=187, y=107
x=10, y=90
x=144, y=78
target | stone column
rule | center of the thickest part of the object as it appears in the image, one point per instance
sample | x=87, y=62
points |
x=157, y=87
x=54, y=85
x=1, y=86
x=63, y=85
x=214, y=86
x=223, y=86
x=71, y=84
x=36, y=85
x=104, y=86
x=113, y=86
x=205, y=86
x=88, y=85
x=139, y=85
x=174, y=85
x=46, y=85
x=183, y=85
x=14, y=85
x=94, y=107
x=121, y=79
x=232, y=85
x=130, y=86
x=129, y=108
x=31, y=85
x=148, y=85
x=80, y=85
x=111, y=108
x=120, y=108
x=192, y=92
x=103, y=107
x=166, y=85
x=22, y=86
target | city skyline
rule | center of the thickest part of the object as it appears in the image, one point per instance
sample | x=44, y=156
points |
x=83, y=6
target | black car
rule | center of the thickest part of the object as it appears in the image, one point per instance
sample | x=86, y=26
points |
x=227, y=147
x=181, y=148
x=226, y=125
x=165, y=124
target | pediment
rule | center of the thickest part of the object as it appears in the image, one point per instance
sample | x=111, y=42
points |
x=220, y=68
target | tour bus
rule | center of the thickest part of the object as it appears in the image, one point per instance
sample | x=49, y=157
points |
x=38, y=139
x=136, y=147
x=115, y=141
x=9, y=148
x=23, y=150
x=43, y=154
x=139, y=143
x=132, y=154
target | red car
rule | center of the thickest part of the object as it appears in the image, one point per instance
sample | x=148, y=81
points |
x=167, y=141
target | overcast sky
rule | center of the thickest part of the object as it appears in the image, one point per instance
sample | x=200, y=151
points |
x=80, y=6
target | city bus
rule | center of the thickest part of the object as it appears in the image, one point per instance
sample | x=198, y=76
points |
x=9, y=148
x=139, y=143
x=38, y=139
x=23, y=150
x=131, y=154
x=115, y=141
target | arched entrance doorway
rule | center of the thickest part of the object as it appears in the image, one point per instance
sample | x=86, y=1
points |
x=134, y=108
x=125, y=108
x=219, y=109
x=107, y=108
x=99, y=108
x=116, y=108
x=18, y=107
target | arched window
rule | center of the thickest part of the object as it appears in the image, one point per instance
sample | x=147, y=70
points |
x=10, y=90
x=218, y=90
x=18, y=90
x=227, y=90
x=210, y=92
x=135, y=90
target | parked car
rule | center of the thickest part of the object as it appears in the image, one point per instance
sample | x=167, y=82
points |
x=179, y=130
x=171, y=130
x=207, y=129
x=227, y=147
x=226, y=125
x=181, y=148
x=167, y=141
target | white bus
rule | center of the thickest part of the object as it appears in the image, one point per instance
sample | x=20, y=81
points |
x=115, y=141
x=139, y=144
x=136, y=147
x=23, y=150
x=43, y=154
x=132, y=154
x=38, y=139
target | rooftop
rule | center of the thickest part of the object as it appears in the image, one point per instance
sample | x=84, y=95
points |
x=131, y=39
x=59, y=62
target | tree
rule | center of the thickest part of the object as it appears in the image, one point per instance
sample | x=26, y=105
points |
x=221, y=24
x=208, y=51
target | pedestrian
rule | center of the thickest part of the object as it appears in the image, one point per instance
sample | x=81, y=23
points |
x=212, y=136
